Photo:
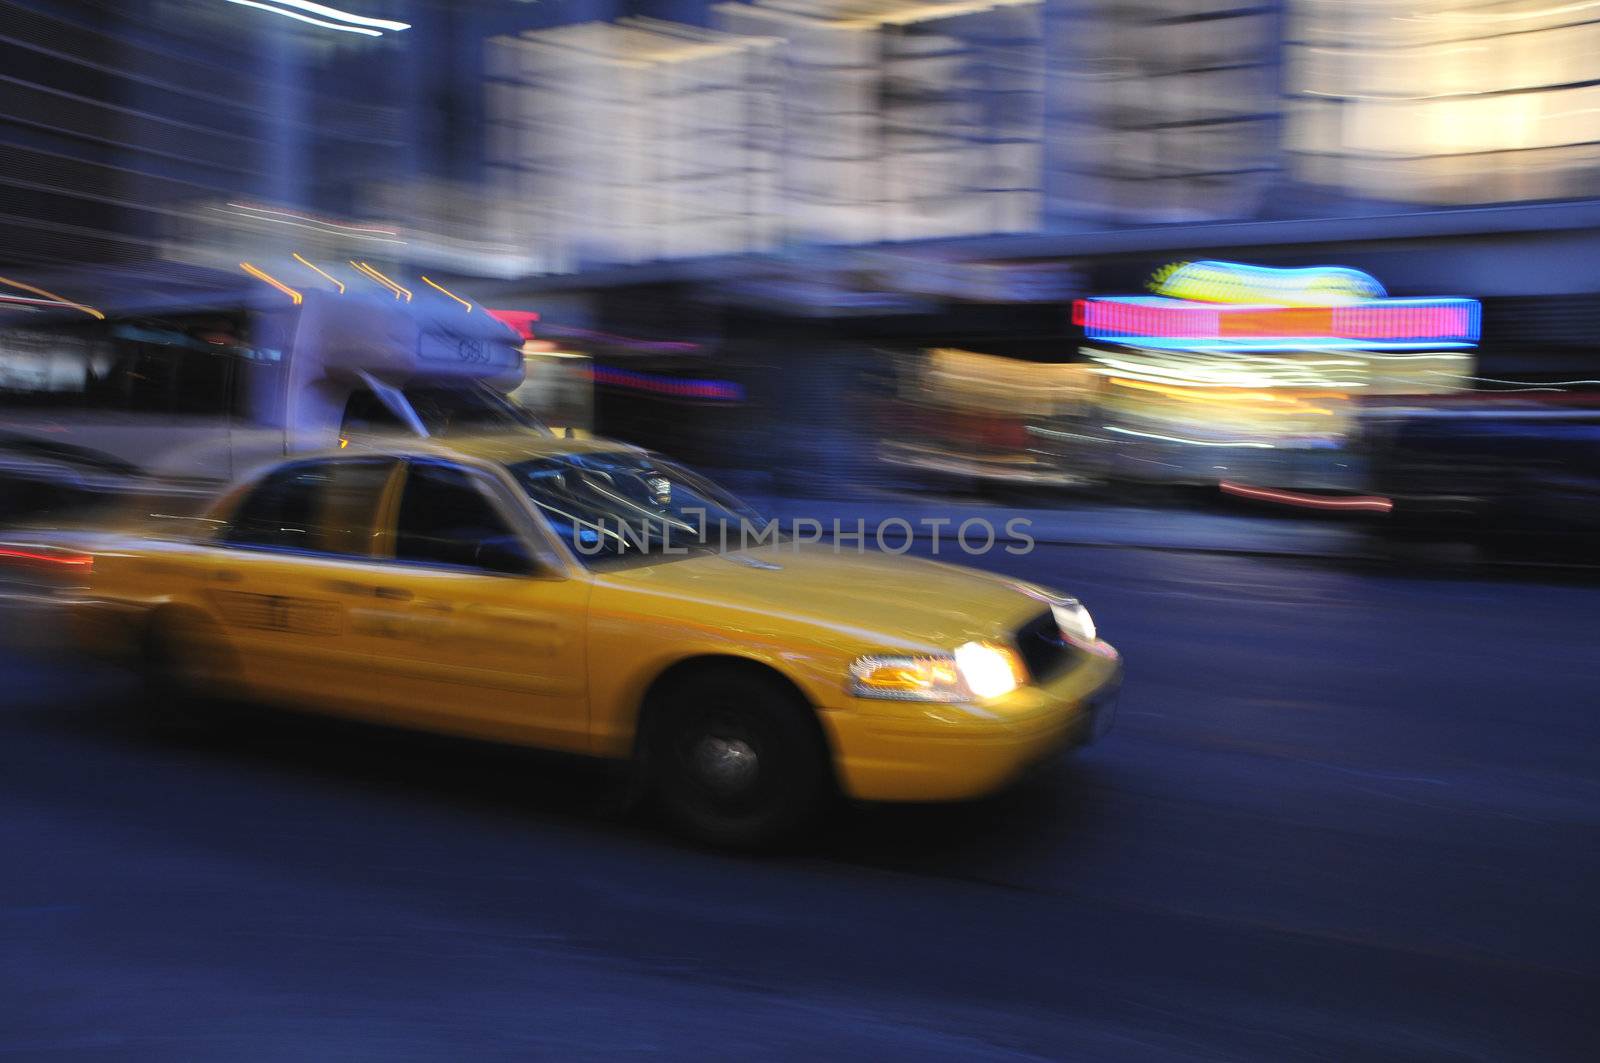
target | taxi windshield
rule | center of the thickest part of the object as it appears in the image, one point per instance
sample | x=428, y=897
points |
x=636, y=506
x=459, y=409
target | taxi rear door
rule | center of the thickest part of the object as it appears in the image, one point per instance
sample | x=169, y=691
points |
x=487, y=638
x=291, y=580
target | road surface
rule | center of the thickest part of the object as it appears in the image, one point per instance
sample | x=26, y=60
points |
x=1343, y=815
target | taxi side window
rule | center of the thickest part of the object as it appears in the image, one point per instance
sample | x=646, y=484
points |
x=327, y=507
x=445, y=519
x=348, y=506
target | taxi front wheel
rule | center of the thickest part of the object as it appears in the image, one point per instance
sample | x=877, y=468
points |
x=736, y=757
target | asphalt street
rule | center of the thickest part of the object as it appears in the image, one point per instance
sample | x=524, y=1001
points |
x=1343, y=815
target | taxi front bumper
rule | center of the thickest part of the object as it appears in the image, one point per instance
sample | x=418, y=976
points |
x=947, y=753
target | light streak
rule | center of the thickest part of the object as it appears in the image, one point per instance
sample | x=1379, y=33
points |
x=29, y=301
x=666, y=385
x=54, y=559
x=344, y=16
x=1231, y=396
x=1372, y=503
x=381, y=279
x=402, y=289
x=275, y=282
x=451, y=294
x=1251, y=444
x=324, y=222
x=307, y=18
x=1238, y=371
x=1539, y=383
x=348, y=22
x=91, y=311
x=316, y=225
x=324, y=273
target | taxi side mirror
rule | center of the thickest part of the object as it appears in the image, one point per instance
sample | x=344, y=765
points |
x=506, y=555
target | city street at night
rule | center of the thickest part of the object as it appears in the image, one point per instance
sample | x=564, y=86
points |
x=469, y=468
x=1344, y=813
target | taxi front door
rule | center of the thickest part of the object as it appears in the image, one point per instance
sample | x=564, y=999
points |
x=482, y=643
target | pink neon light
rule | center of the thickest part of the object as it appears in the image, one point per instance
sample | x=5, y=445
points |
x=519, y=320
x=1376, y=320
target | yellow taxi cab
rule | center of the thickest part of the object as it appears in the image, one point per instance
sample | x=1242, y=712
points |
x=588, y=596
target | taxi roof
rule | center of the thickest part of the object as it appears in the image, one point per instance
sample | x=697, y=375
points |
x=500, y=448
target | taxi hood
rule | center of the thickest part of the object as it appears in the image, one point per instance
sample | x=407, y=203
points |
x=885, y=599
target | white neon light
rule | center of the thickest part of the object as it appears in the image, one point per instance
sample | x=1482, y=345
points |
x=255, y=214
x=319, y=221
x=342, y=27
x=350, y=23
x=344, y=16
x=23, y=300
x=1540, y=383
x=1192, y=442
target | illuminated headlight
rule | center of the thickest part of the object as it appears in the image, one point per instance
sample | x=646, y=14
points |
x=989, y=670
x=1075, y=622
x=975, y=670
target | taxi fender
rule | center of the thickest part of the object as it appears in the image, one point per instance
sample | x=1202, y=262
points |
x=619, y=698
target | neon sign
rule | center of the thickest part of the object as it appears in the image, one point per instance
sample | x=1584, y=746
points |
x=1235, y=282
x=1375, y=324
x=1231, y=306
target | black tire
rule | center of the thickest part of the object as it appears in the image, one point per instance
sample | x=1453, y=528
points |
x=736, y=758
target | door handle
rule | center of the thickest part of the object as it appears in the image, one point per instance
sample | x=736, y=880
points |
x=225, y=575
x=397, y=594
x=343, y=586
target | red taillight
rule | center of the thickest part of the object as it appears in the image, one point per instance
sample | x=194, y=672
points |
x=45, y=555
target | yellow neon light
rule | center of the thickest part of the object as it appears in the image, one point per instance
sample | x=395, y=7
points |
x=1236, y=282
x=446, y=291
x=314, y=269
x=91, y=311
x=1229, y=395
x=367, y=273
x=275, y=282
x=371, y=271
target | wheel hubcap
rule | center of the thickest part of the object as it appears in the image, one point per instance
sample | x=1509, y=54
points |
x=727, y=764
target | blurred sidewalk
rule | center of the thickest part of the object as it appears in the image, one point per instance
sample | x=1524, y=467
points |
x=1086, y=524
